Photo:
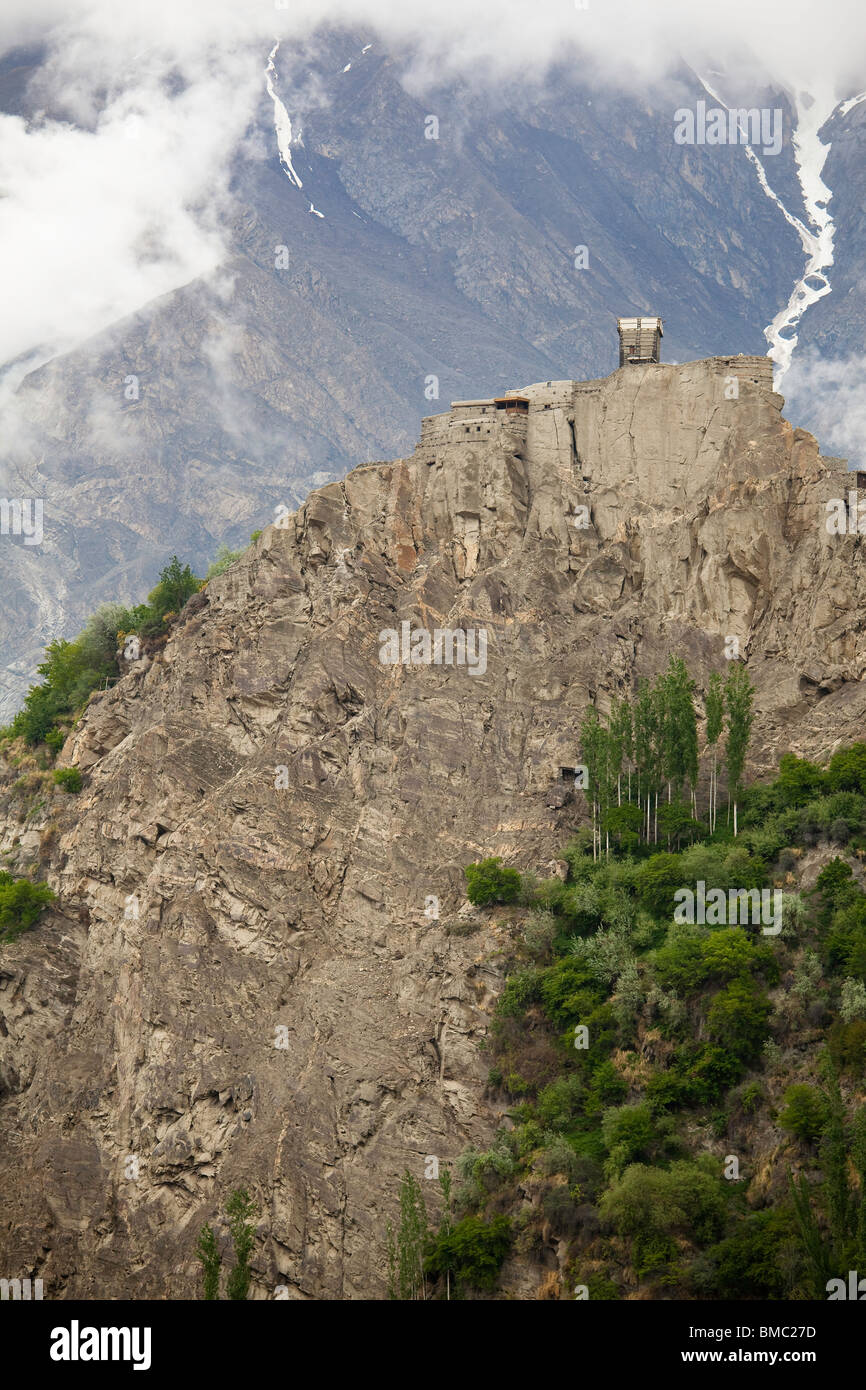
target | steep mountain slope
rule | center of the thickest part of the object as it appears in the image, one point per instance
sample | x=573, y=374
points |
x=269, y=808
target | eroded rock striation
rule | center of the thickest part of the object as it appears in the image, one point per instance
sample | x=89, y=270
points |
x=244, y=980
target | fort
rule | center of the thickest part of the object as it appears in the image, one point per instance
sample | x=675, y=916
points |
x=511, y=419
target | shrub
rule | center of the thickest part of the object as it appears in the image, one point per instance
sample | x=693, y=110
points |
x=628, y=1132
x=847, y=769
x=606, y=954
x=846, y=1044
x=653, y=1202
x=488, y=882
x=804, y=1112
x=557, y=1156
x=606, y=1087
x=582, y=908
x=737, y=1017
x=680, y=965
x=473, y=1250
x=751, y=1097
x=521, y=990
x=853, y=1004
x=21, y=903
x=657, y=882
x=751, y=1262
x=568, y=992
x=224, y=558
x=69, y=778
x=55, y=738
x=540, y=933
x=481, y=1171
x=798, y=781
x=559, y=1103
x=835, y=888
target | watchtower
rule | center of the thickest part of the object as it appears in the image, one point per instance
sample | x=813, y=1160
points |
x=640, y=340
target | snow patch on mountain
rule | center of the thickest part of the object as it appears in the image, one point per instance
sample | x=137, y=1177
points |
x=282, y=121
x=810, y=155
x=848, y=105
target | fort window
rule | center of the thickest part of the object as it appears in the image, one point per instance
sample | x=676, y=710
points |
x=512, y=405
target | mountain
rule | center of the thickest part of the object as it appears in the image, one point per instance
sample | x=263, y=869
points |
x=402, y=271
x=256, y=971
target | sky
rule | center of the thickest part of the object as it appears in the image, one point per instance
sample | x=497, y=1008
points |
x=119, y=194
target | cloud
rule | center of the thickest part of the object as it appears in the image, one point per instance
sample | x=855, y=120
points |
x=826, y=395
x=117, y=192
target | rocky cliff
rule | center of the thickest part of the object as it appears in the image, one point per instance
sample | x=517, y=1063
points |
x=251, y=975
x=442, y=265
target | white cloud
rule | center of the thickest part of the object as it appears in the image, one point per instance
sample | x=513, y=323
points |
x=96, y=219
x=829, y=394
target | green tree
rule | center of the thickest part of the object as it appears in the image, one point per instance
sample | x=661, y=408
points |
x=620, y=724
x=799, y=781
x=647, y=741
x=406, y=1279
x=846, y=770
x=177, y=584
x=488, y=882
x=739, y=697
x=239, y=1208
x=679, y=728
x=595, y=752
x=858, y=1156
x=715, y=712
x=656, y=882
x=21, y=904
x=804, y=1112
x=474, y=1249
x=207, y=1252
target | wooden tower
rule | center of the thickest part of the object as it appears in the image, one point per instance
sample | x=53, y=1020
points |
x=640, y=340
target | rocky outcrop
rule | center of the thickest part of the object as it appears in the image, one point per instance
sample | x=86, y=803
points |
x=250, y=977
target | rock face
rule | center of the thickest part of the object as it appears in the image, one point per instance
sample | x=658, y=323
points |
x=246, y=980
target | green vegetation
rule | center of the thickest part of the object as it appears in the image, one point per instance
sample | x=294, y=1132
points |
x=21, y=904
x=69, y=778
x=638, y=1052
x=651, y=747
x=406, y=1275
x=71, y=671
x=458, y=1257
x=488, y=882
x=238, y=1210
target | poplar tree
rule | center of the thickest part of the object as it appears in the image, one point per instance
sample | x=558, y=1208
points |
x=739, y=696
x=645, y=745
x=594, y=755
x=239, y=1208
x=679, y=726
x=621, y=742
x=715, y=711
x=207, y=1252
x=406, y=1254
